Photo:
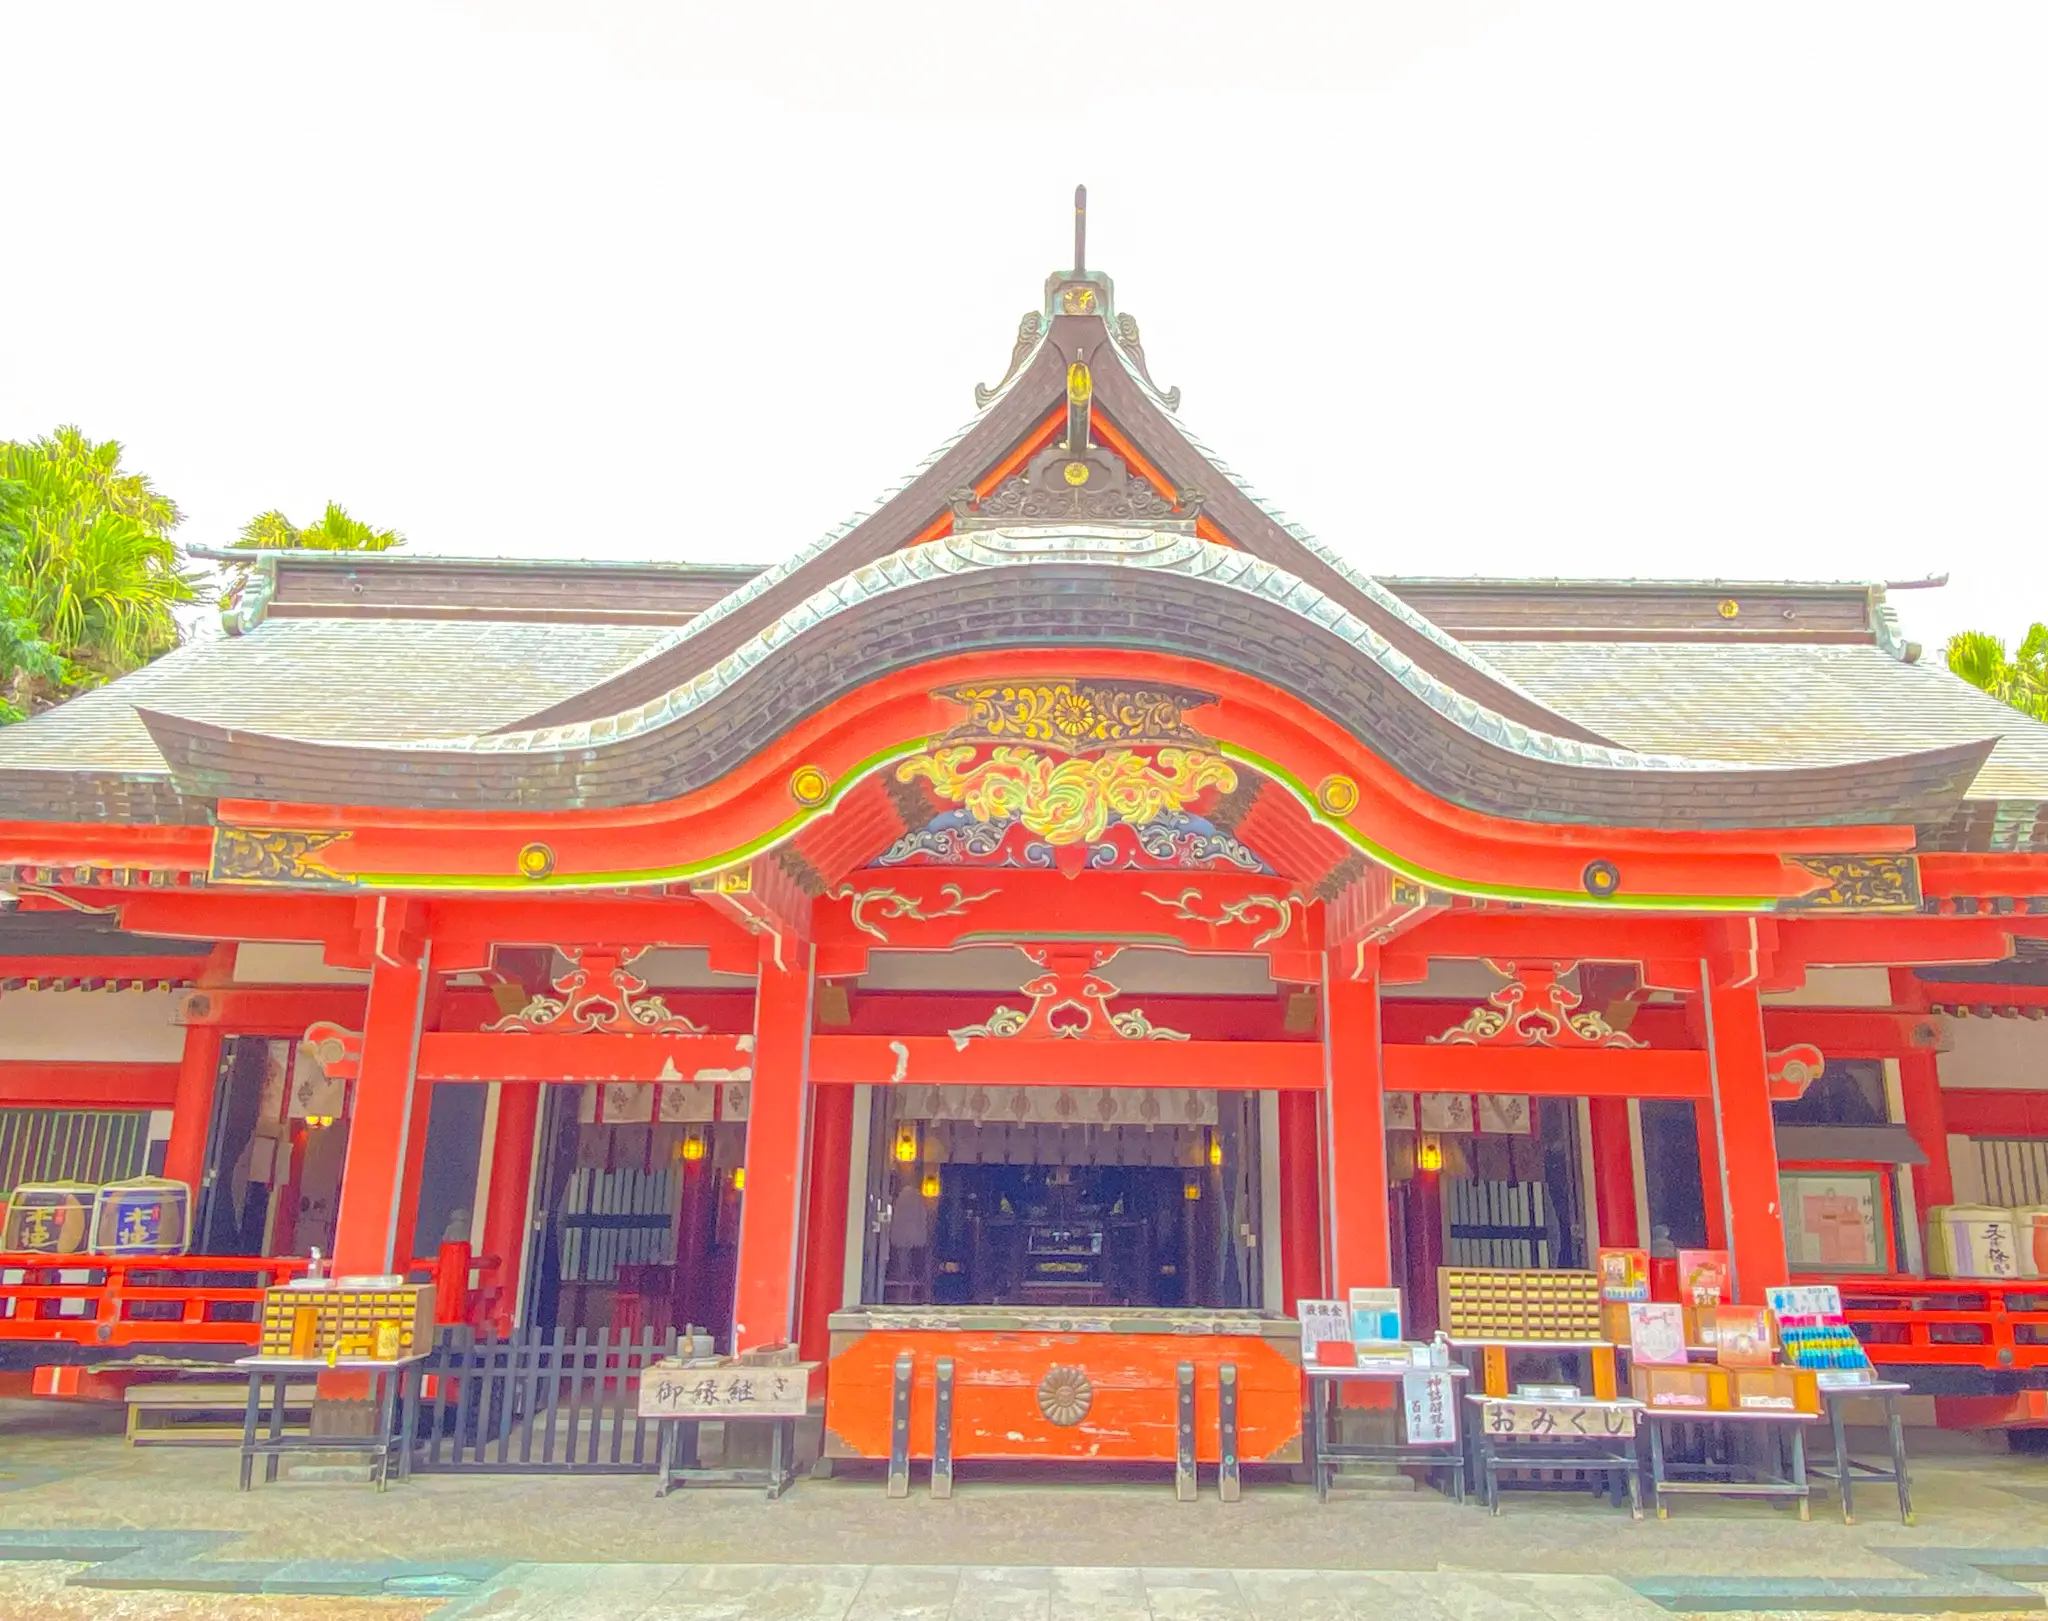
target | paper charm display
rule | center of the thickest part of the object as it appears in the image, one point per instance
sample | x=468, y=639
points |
x=1656, y=1333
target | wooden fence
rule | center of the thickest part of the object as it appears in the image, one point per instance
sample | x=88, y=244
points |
x=541, y=1401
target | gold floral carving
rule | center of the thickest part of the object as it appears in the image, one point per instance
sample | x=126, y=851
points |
x=1069, y=1002
x=894, y=904
x=1070, y=801
x=256, y=855
x=1534, y=1009
x=1064, y=1396
x=1184, y=905
x=1076, y=716
x=1859, y=884
x=599, y=993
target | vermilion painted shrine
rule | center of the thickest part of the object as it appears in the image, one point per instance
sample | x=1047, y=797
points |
x=1068, y=887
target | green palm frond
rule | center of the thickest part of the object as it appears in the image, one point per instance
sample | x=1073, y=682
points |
x=333, y=531
x=90, y=580
x=1980, y=659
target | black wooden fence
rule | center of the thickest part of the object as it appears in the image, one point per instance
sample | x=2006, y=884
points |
x=543, y=1401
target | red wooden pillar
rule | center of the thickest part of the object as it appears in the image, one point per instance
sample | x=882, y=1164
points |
x=505, y=1200
x=1614, y=1173
x=764, y=1292
x=1926, y=1110
x=366, y=1236
x=1927, y=1119
x=824, y=1244
x=1355, y=1165
x=1301, y=1209
x=192, y=1106
x=1748, y=1137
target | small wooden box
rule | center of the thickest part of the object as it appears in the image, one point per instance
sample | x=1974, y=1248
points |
x=1698, y=1387
x=1779, y=1389
x=346, y=1320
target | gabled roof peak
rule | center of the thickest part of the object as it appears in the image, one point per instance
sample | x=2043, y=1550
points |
x=1073, y=296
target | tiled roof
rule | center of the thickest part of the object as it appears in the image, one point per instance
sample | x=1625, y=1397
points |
x=361, y=680
x=1782, y=704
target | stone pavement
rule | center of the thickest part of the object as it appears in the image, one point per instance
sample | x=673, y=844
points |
x=169, y=1521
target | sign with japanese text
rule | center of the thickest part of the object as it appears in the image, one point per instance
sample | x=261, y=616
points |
x=1321, y=1320
x=725, y=1390
x=1570, y=1420
x=1429, y=1399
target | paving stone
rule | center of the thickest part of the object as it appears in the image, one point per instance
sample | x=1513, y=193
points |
x=1099, y=1594
x=572, y=1593
x=1194, y=1595
x=1004, y=1593
x=906, y=1593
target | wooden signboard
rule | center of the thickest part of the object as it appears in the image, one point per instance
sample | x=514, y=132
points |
x=725, y=1390
x=1569, y=1420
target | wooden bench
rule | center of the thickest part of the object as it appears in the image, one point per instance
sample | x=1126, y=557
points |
x=162, y=1412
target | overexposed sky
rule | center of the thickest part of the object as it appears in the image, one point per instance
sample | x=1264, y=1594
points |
x=1477, y=287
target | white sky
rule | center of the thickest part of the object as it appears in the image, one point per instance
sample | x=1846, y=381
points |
x=1478, y=287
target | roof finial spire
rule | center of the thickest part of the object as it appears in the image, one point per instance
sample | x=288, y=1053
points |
x=1080, y=229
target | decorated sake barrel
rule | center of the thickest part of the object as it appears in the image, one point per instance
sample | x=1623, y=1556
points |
x=49, y=1218
x=146, y=1216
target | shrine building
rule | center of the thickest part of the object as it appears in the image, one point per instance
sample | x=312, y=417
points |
x=1067, y=888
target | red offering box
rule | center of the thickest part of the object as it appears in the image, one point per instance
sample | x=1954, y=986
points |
x=1336, y=1354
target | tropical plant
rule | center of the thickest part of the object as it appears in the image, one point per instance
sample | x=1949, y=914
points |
x=333, y=531
x=2021, y=680
x=90, y=581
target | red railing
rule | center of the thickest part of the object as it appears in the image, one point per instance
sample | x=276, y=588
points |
x=137, y=1300
x=1948, y=1322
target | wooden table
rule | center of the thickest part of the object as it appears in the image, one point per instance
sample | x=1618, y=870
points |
x=1324, y=1454
x=397, y=1410
x=1781, y=1427
x=1846, y=1468
x=1512, y=1432
x=1494, y=1362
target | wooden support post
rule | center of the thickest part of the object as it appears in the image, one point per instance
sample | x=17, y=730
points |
x=1614, y=1173
x=824, y=1242
x=764, y=1293
x=366, y=1238
x=1926, y=1109
x=1927, y=1120
x=1355, y=1161
x=1748, y=1137
x=1301, y=1211
x=409, y=1247
x=505, y=1202
x=192, y=1108
x=1712, y=1196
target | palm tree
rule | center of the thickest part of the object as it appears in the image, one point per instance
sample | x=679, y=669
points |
x=90, y=581
x=334, y=531
x=2022, y=680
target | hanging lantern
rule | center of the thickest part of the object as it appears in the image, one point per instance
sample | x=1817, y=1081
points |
x=739, y=1179
x=1429, y=1154
x=929, y=1187
x=1192, y=1188
x=693, y=1144
x=906, y=1143
x=1215, y=1149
